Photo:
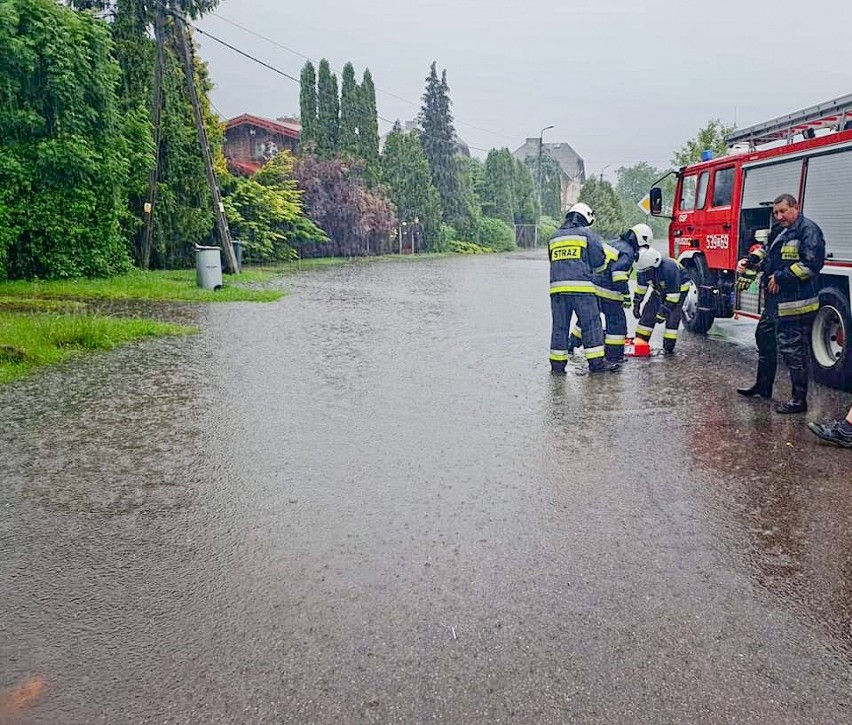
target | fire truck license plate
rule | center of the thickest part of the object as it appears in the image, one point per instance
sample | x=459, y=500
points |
x=717, y=241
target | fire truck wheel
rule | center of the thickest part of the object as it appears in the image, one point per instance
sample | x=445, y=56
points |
x=695, y=320
x=830, y=340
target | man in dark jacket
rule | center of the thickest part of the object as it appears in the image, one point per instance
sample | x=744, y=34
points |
x=575, y=252
x=791, y=264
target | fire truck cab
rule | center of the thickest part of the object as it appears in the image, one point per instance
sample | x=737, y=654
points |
x=722, y=206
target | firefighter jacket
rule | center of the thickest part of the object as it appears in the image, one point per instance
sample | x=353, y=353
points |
x=670, y=281
x=795, y=257
x=612, y=283
x=576, y=254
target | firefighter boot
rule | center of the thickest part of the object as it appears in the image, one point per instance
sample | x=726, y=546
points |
x=603, y=366
x=557, y=367
x=798, y=403
x=763, y=386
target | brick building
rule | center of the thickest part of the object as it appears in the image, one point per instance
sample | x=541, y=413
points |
x=250, y=141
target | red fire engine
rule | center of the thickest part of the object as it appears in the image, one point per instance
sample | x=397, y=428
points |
x=723, y=205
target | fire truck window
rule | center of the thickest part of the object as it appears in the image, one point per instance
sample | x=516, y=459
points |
x=723, y=187
x=701, y=192
x=687, y=194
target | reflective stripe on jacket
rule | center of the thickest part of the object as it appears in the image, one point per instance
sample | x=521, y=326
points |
x=795, y=257
x=575, y=253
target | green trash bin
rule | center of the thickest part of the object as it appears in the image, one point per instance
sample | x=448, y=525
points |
x=208, y=267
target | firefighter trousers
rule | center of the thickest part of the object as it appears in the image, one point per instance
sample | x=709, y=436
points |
x=585, y=306
x=615, y=330
x=648, y=320
x=792, y=337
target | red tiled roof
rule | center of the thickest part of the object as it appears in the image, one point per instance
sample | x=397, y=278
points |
x=285, y=129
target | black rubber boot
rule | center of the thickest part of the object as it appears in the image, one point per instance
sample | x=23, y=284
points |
x=557, y=367
x=798, y=403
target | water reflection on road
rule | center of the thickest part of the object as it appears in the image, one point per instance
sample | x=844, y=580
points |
x=370, y=502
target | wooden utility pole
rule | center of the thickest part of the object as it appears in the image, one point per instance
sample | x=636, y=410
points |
x=156, y=108
x=224, y=232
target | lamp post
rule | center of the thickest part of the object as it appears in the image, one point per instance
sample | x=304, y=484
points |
x=604, y=169
x=540, y=146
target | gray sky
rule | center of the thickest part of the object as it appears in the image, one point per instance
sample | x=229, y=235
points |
x=622, y=81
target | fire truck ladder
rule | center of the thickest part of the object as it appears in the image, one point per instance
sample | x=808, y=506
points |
x=836, y=114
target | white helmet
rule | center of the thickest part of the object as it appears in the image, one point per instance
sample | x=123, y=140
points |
x=644, y=234
x=585, y=211
x=648, y=258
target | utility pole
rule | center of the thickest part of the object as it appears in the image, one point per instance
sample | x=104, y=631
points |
x=156, y=108
x=224, y=232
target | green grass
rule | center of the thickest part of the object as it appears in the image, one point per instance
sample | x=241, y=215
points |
x=28, y=341
x=174, y=285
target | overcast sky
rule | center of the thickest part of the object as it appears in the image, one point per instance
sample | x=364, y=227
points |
x=622, y=81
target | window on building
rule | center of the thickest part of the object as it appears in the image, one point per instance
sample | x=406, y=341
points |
x=723, y=187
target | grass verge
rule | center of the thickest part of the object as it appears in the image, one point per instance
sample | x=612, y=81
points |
x=28, y=341
x=172, y=285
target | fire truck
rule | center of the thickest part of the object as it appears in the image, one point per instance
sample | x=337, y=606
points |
x=723, y=205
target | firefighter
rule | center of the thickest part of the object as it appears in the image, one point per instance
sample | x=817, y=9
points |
x=790, y=264
x=670, y=283
x=574, y=252
x=613, y=290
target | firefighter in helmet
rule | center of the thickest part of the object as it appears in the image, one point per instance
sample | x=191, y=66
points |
x=613, y=290
x=669, y=281
x=791, y=263
x=575, y=251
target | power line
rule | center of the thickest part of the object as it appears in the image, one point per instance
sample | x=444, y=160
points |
x=380, y=90
x=283, y=73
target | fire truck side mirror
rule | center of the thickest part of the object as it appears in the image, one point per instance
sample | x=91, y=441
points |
x=656, y=201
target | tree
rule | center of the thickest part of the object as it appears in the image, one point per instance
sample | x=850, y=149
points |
x=405, y=174
x=498, y=197
x=710, y=138
x=551, y=183
x=359, y=221
x=526, y=204
x=368, y=128
x=265, y=211
x=308, y=106
x=62, y=170
x=633, y=184
x=350, y=102
x=609, y=216
x=437, y=139
x=328, y=111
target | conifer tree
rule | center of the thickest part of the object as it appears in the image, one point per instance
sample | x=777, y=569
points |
x=308, y=106
x=368, y=128
x=438, y=142
x=350, y=102
x=328, y=111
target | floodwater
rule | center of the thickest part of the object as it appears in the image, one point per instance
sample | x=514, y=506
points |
x=371, y=503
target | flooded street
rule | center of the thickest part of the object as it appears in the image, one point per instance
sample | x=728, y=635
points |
x=370, y=502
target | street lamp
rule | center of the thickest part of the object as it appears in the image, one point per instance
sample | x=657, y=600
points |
x=604, y=169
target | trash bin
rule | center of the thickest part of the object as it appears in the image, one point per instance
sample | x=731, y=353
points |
x=208, y=267
x=238, y=251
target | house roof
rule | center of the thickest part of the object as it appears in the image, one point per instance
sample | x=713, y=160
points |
x=293, y=130
x=568, y=159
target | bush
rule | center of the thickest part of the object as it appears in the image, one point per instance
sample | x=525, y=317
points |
x=496, y=234
x=547, y=227
x=469, y=248
x=446, y=236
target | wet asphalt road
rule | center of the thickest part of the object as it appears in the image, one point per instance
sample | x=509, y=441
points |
x=371, y=503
